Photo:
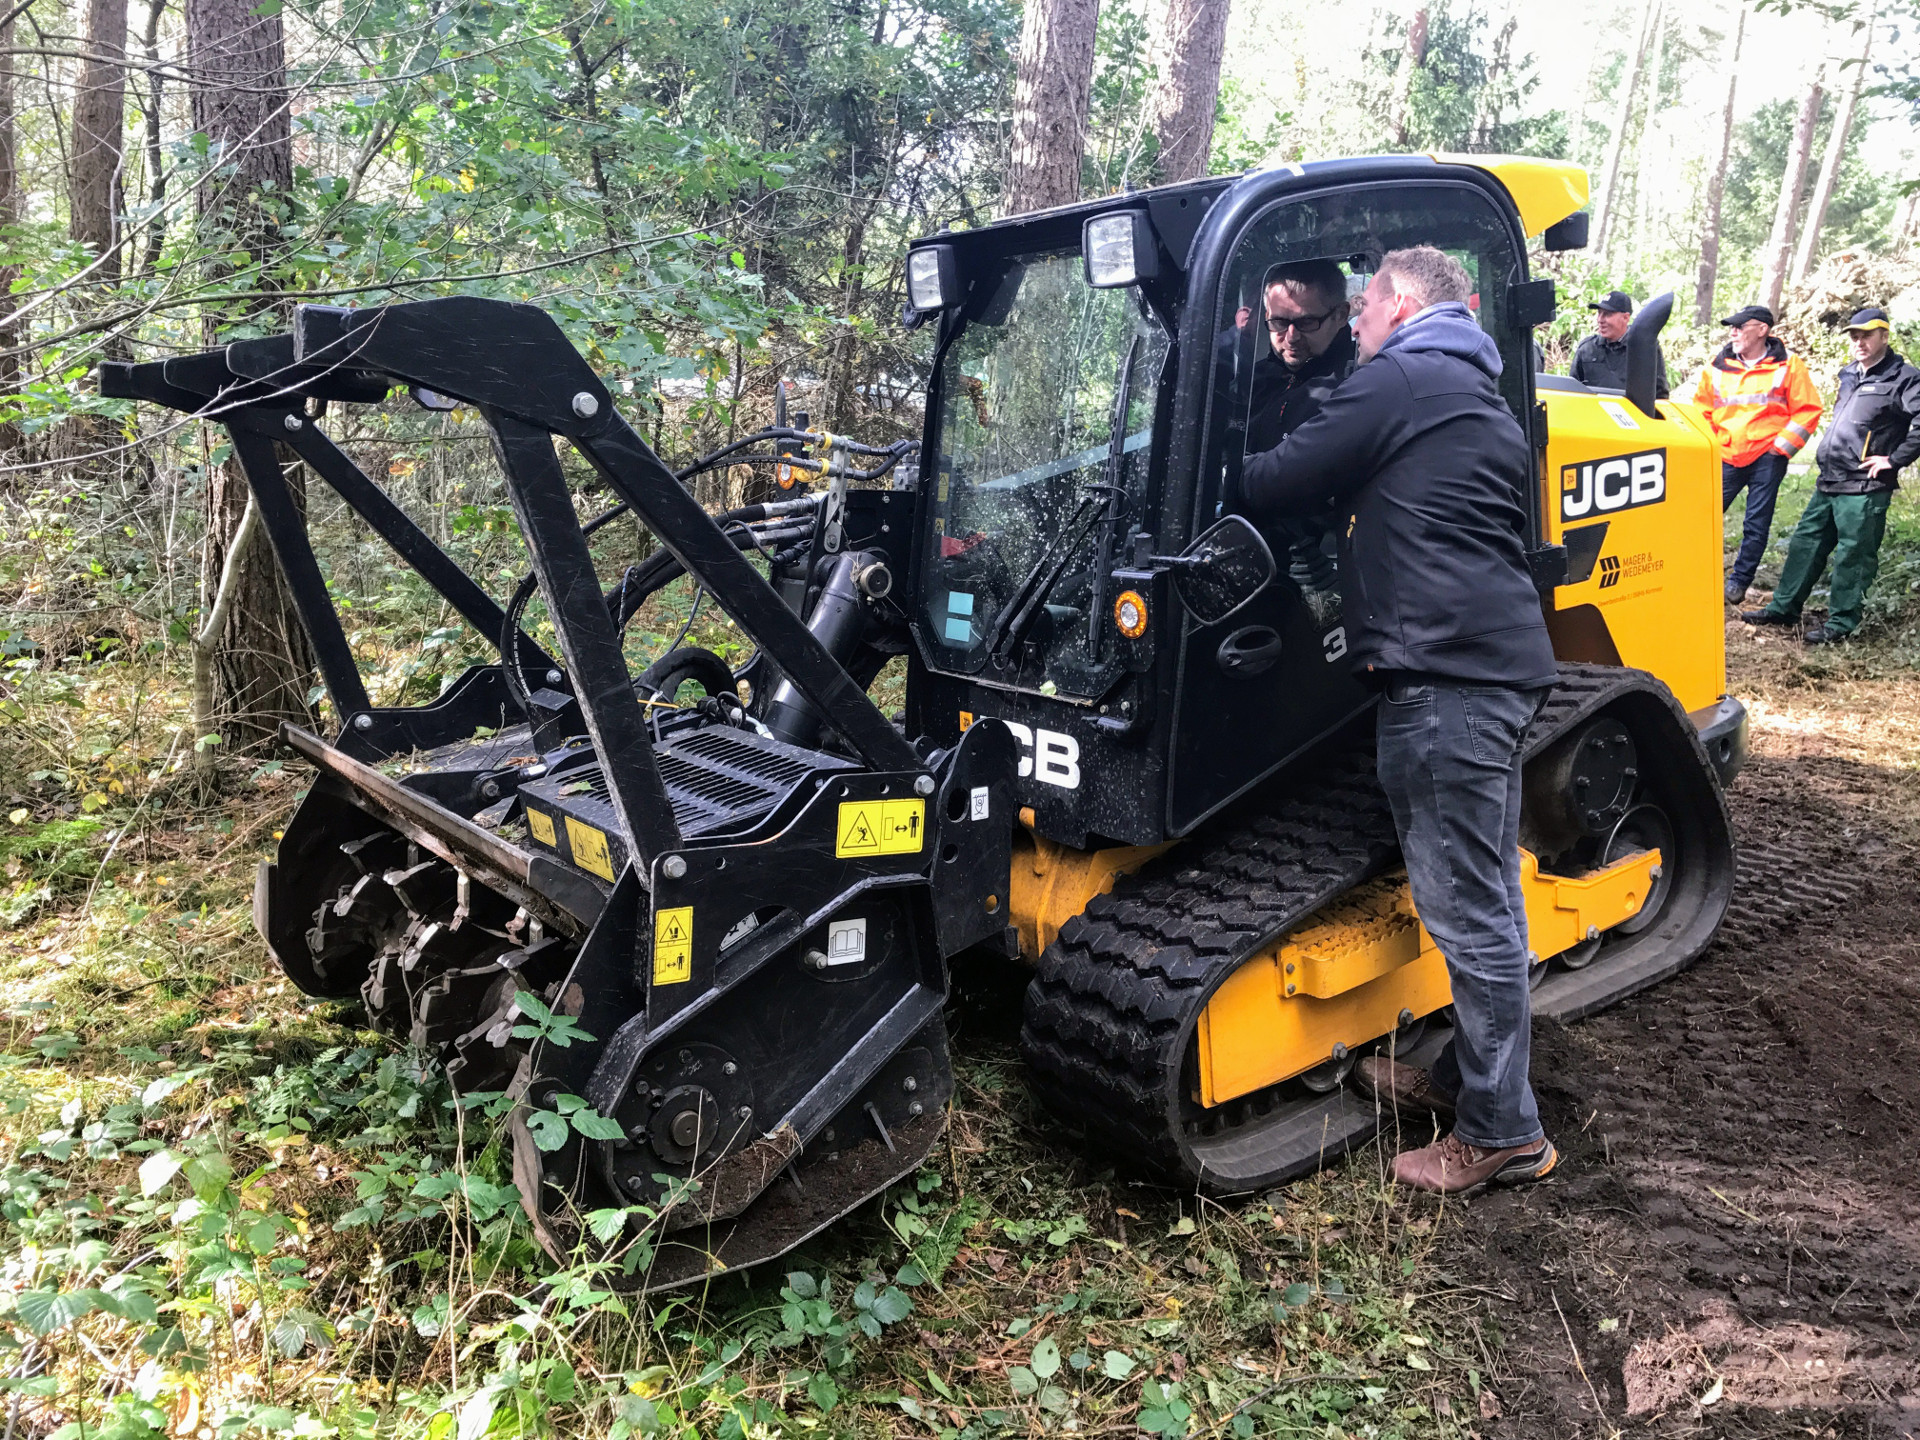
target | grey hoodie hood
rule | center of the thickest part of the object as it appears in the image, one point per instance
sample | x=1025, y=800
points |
x=1450, y=329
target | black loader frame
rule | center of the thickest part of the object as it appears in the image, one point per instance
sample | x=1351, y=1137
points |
x=723, y=927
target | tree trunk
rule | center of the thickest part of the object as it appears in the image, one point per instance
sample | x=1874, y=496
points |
x=1709, y=270
x=1189, y=90
x=1773, y=267
x=1644, y=197
x=1622, y=118
x=1830, y=164
x=1413, y=54
x=236, y=60
x=99, y=136
x=1050, y=101
x=156, y=157
x=1492, y=100
x=9, y=215
x=1906, y=224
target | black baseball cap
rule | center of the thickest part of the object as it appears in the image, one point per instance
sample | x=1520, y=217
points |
x=1752, y=312
x=1871, y=318
x=1616, y=301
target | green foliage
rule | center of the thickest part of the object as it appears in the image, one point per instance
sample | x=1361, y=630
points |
x=1862, y=205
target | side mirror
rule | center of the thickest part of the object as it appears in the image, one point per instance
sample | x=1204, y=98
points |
x=1568, y=234
x=1222, y=570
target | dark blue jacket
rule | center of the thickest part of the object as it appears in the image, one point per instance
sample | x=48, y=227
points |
x=1426, y=468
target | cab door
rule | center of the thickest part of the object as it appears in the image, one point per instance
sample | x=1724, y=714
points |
x=1238, y=720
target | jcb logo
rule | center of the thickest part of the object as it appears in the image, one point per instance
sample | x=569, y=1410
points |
x=1045, y=755
x=1620, y=482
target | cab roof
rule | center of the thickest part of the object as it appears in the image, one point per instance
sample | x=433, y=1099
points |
x=1543, y=191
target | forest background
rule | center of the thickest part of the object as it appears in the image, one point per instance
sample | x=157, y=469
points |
x=225, y=1213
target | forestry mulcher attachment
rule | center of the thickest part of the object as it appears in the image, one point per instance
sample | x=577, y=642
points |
x=705, y=945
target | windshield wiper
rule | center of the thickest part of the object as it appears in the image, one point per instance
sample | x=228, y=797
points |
x=1028, y=599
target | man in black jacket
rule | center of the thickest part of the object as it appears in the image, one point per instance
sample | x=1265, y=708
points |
x=1425, y=465
x=1873, y=435
x=1601, y=359
x=1309, y=350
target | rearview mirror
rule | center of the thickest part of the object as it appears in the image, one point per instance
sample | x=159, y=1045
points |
x=1222, y=570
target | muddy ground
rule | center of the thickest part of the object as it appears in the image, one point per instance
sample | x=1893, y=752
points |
x=1732, y=1247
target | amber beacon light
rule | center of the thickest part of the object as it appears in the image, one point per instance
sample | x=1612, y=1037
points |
x=1130, y=614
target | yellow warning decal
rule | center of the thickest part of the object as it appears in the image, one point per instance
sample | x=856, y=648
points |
x=540, y=825
x=673, y=945
x=966, y=719
x=589, y=848
x=881, y=827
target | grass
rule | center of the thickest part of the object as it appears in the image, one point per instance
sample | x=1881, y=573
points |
x=224, y=1210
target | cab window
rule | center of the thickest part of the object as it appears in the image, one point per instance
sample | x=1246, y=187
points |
x=1350, y=229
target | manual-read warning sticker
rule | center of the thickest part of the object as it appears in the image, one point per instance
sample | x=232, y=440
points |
x=589, y=848
x=880, y=827
x=673, y=945
x=540, y=826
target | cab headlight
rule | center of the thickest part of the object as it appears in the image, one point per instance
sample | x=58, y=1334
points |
x=1119, y=249
x=933, y=281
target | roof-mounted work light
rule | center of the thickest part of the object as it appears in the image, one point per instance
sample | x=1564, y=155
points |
x=933, y=280
x=1119, y=249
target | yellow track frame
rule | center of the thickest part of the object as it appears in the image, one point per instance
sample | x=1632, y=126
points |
x=1366, y=965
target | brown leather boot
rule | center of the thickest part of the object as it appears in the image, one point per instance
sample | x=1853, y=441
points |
x=1450, y=1166
x=1407, y=1088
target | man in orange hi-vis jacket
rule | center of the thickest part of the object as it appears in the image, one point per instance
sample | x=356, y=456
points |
x=1763, y=407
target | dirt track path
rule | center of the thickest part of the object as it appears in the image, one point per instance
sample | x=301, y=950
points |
x=1738, y=1219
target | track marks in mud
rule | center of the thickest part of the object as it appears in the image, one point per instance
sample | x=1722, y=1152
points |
x=1737, y=1197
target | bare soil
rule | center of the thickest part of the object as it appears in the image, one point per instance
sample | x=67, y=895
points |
x=1732, y=1246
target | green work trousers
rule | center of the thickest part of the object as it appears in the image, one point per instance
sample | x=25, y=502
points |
x=1848, y=528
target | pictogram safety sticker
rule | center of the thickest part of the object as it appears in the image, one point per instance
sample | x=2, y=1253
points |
x=673, y=945
x=880, y=827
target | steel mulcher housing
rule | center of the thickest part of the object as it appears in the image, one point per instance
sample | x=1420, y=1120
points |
x=738, y=911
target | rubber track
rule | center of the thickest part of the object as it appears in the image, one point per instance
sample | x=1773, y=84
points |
x=1115, y=997
x=1108, y=1013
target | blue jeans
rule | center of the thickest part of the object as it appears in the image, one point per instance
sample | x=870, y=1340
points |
x=1450, y=765
x=1761, y=479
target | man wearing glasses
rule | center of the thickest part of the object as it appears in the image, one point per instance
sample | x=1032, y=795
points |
x=1309, y=350
x=1763, y=408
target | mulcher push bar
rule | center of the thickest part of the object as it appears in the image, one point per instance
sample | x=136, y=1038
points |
x=514, y=365
x=258, y=391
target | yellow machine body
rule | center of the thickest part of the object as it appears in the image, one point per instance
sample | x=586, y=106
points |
x=1636, y=500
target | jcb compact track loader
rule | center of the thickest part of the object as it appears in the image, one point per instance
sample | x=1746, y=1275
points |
x=705, y=945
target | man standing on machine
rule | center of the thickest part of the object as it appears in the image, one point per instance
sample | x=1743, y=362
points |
x=1426, y=466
